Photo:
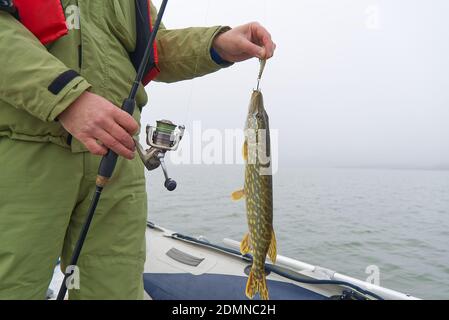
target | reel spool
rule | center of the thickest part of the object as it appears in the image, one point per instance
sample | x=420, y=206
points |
x=166, y=136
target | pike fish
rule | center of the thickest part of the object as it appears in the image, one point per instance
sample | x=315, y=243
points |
x=258, y=194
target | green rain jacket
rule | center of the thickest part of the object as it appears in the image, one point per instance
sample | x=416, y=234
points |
x=97, y=47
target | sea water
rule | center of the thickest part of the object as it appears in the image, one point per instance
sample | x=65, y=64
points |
x=352, y=221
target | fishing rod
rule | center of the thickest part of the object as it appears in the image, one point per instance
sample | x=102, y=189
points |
x=109, y=161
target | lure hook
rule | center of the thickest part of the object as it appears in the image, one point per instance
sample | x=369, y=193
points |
x=263, y=63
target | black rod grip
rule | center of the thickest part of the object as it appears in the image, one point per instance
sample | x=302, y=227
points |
x=109, y=161
x=107, y=164
x=129, y=105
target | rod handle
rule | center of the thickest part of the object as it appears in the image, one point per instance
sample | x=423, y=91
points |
x=129, y=105
x=109, y=161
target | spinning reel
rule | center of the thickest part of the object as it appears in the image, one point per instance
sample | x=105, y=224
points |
x=166, y=136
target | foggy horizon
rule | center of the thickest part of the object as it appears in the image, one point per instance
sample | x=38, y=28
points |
x=354, y=83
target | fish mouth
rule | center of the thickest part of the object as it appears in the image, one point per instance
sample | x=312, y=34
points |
x=256, y=105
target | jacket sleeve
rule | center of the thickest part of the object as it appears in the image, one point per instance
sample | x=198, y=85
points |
x=185, y=53
x=30, y=77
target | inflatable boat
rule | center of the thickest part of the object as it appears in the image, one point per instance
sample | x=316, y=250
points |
x=182, y=267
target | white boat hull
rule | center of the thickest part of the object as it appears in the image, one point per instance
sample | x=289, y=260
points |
x=179, y=268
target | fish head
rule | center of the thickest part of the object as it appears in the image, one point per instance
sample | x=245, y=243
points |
x=257, y=131
x=257, y=118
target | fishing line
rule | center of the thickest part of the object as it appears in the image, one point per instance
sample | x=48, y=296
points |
x=193, y=85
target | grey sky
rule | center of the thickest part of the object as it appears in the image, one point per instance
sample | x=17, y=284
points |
x=353, y=82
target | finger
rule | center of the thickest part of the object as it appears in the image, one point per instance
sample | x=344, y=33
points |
x=270, y=47
x=95, y=148
x=126, y=121
x=252, y=49
x=120, y=134
x=263, y=38
x=271, y=50
x=113, y=144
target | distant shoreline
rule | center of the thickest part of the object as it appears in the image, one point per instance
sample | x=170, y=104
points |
x=405, y=168
x=361, y=167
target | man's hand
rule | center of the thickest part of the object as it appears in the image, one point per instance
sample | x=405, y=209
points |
x=245, y=42
x=92, y=118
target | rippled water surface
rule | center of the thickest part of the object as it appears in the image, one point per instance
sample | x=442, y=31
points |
x=342, y=219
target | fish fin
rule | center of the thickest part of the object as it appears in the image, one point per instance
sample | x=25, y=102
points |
x=245, y=151
x=238, y=195
x=254, y=285
x=245, y=245
x=272, y=252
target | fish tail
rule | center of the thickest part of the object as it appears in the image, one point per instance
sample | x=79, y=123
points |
x=255, y=285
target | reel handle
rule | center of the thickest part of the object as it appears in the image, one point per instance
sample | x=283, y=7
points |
x=169, y=183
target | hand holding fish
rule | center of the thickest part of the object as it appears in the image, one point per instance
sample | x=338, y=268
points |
x=245, y=42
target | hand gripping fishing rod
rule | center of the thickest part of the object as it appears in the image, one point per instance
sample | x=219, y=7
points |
x=109, y=161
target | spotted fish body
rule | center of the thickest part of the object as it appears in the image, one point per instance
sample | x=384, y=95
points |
x=258, y=193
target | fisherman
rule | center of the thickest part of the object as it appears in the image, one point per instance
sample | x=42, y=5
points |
x=65, y=67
